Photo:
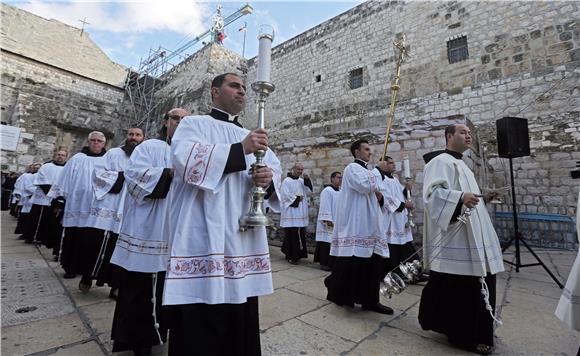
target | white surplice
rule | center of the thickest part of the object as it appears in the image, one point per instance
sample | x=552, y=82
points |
x=568, y=309
x=211, y=260
x=470, y=249
x=26, y=189
x=48, y=174
x=142, y=245
x=75, y=185
x=294, y=217
x=109, y=206
x=395, y=229
x=326, y=212
x=359, y=227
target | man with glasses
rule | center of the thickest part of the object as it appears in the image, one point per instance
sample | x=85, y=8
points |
x=73, y=196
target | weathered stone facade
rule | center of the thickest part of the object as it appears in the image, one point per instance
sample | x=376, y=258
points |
x=187, y=85
x=523, y=61
x=53, y=101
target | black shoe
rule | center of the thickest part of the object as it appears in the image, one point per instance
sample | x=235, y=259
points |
x=113, y=294
x=55, y=259
x=379, y=308
x=69, y=275
x=324, y=268
x=21, y=237
x=85, y=285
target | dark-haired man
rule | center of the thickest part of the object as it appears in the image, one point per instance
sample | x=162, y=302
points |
x=325, y=221
x=109, y=192
x=358, y=243
x=217, y=271
x=463, y=259
x=142, y=246
x=294, y=194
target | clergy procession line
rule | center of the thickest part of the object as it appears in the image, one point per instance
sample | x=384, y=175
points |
x=157, y=220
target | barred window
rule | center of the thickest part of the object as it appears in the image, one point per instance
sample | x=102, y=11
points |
x=356, y=78
x=457, y=50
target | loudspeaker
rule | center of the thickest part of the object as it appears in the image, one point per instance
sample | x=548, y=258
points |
x=513, y=139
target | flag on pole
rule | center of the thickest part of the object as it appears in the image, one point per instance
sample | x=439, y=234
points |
x=243, y=28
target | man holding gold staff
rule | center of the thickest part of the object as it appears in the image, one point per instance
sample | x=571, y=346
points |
x=462, y=253
x=217, y=270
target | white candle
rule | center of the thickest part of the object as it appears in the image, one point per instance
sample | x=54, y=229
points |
x=406, y=169
x=264, y=52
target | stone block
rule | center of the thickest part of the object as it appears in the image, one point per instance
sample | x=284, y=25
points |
x=274, y=307
x=420, y=133
x=43, y=335
x=296, y=337
x=412, y=144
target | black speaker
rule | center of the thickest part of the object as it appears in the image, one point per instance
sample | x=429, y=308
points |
x=513, y=138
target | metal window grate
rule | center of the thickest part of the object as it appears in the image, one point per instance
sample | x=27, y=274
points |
x=457, y=50
x=356, y=78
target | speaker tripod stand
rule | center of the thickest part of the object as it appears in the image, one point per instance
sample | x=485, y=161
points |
x=517, y=238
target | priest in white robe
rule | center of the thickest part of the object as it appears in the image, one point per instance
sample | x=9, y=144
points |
x=568, y=309
x=462, y=259
x=359, y=244
x=73, y=197
x=141, y=250
x=109, y=197
x=45, y=227
x=24, y=188
x=216, y=271
x=325, y=221
x=294, y=215
x=396, y=210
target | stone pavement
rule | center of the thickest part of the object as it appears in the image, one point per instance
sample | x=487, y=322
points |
x=44, y=314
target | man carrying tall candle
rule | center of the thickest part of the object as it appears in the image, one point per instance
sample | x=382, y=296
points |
x=216, y=271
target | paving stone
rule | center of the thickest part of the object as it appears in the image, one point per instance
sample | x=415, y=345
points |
x=304, y=273
x=313, y=288
x=284, y=305
x=409, y=322
x=281, y=280
x=42, y=335
x=94, y=296
x=40, y=308
x=90, y=348
x=393, y=341
x=100, y=315
x=295, y=337
x=352, y=324
x=535, y=332
x=280, y=265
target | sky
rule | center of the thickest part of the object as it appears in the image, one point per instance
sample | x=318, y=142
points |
x=127, y=31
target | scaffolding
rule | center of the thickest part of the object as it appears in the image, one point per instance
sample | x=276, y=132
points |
x=141, y=85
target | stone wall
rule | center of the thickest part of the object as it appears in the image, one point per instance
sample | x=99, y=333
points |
x=188, y=84
x=523, y=61
x=55, y=108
